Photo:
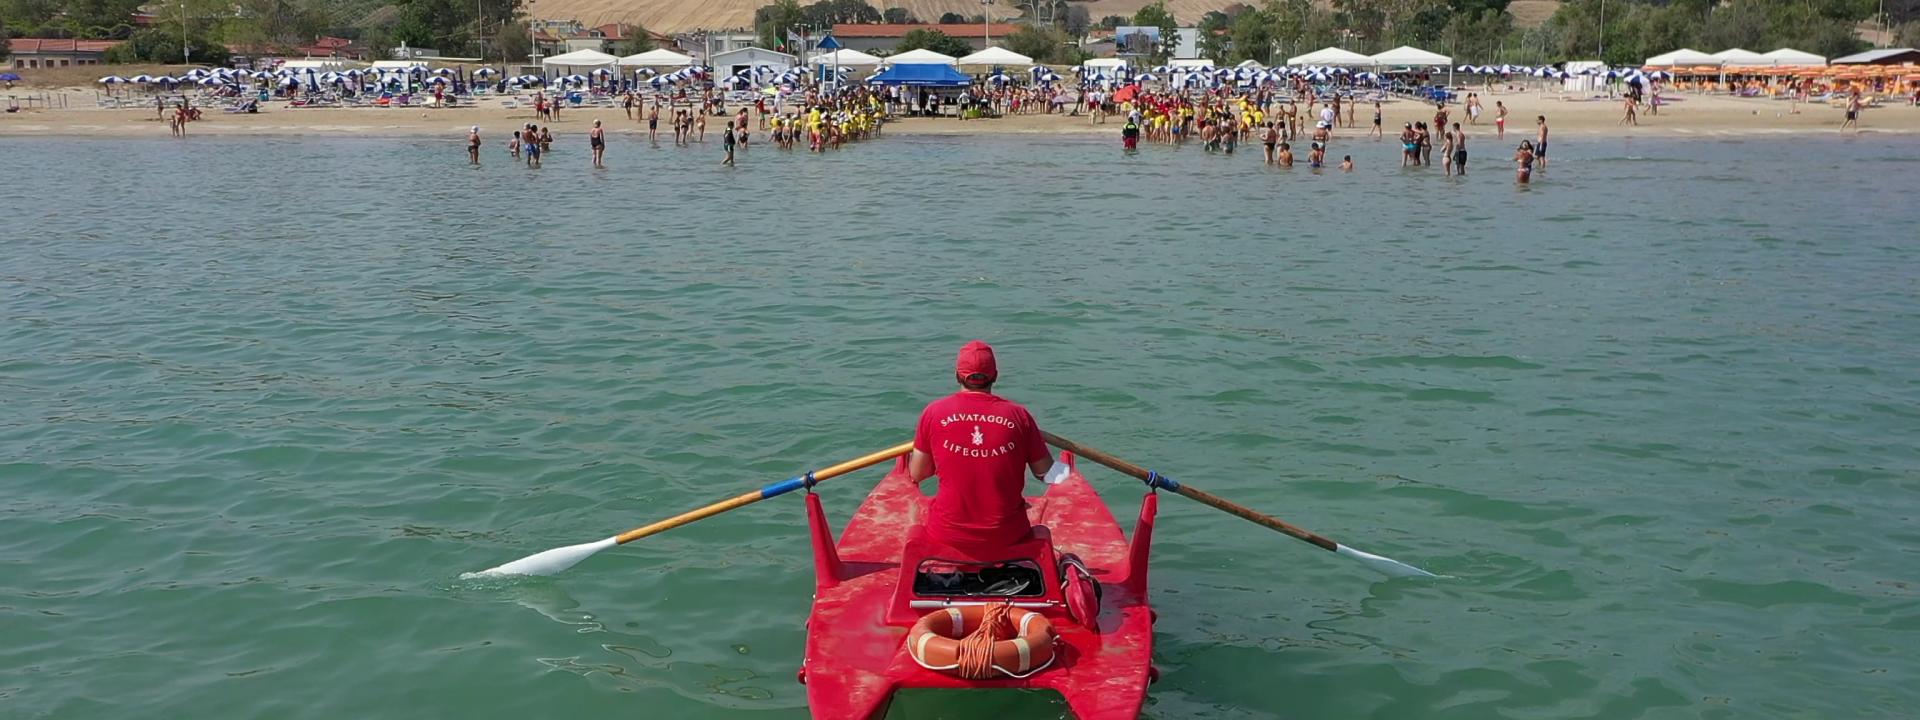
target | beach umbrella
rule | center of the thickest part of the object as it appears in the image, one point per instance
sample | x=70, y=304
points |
x=439, y=80
x=445, y=72
x=211, y=80
x=485, y=73
x=109, y=80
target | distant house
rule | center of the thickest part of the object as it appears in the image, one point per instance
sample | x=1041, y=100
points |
x=881, y=38
x=602, y=38
x=333, y=47
x=39, y=53
x=701, y=44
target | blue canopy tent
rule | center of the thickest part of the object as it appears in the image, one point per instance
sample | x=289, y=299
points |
x=917, y=75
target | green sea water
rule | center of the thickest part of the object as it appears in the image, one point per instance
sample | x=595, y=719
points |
x=264, y=401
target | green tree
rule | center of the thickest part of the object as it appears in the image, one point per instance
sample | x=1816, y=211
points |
x=638, y=40
x=897, y=15
x=774, y=20
x=513, y=43
x=952, y=18
x=934, y=40
x=1252, y=38
x=5, y=49
x=157, y=45
x=1112, y=21
x=1076, y=21
x=1042, y=43
x=1213, y=35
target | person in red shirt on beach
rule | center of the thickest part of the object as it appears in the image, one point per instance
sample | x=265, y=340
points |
x=981, y=445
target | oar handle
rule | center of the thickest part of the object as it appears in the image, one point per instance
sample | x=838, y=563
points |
x=1156, y=480
x=775, y=490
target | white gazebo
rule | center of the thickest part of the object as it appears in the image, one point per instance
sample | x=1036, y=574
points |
x=1190, y=63
x=1790, y=56
x=661, y=57
x=579, y=59
x=1683, y=56
x=1737, y=56
x=1251, y=65
x=1104, y=64
x=1408, y=55
x=996, y=55
x=844, y=57
x=921, y=56
x=1330, y=56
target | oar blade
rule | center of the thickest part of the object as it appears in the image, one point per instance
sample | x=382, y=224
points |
x=1383, y=565
x=551, y=562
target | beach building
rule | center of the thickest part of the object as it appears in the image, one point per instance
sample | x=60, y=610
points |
x=1883, y=56
x=882, y=38
x=727, y=63
x=37, y=53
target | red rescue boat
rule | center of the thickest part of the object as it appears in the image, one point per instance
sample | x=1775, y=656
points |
x=1079, y=573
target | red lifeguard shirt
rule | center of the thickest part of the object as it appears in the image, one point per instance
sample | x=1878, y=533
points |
x=981, y=444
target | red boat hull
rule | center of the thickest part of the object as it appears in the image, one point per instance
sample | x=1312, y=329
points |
x=856, y=657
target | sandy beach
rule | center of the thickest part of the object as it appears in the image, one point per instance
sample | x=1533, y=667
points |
x=1566, y=113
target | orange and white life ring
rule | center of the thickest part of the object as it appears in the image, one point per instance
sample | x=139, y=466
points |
x=1024, y=647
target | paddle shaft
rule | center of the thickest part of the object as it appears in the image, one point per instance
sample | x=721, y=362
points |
x=1156, y=480
x=780, y=488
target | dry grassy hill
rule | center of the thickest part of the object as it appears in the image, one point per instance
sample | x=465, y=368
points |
x=1529, y=14
x=675, y=16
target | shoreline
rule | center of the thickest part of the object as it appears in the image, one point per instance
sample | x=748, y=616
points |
x=1688, y=117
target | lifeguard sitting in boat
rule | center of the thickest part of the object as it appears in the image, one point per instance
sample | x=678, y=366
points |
x=980, y=444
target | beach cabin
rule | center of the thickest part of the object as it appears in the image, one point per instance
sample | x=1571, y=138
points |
x=730, y=63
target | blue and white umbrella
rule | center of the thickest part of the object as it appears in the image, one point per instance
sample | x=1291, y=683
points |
x=485, y=73
x=445, y=72
x=112, y=80
x=736, y=82
x=602, y=72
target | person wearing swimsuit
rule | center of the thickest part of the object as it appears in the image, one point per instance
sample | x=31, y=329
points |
x=1500, y=118
x=1459, y=151
x=653, y=123
x=1286, y=155
x=1409, y=147
x=473, y=146
x=1376, y=122
x=1268, y=139
x=597, y=141
x=1540, y=146
x=1524, y=158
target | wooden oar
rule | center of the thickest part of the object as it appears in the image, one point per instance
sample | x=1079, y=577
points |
x=553, y=561
x=1153, y=479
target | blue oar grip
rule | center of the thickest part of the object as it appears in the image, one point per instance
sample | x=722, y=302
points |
x=784, y=486
x=1161, y=482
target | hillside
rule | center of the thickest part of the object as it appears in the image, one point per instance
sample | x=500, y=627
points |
x=675, y=16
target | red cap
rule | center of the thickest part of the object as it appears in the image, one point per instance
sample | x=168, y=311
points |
x=976, y=358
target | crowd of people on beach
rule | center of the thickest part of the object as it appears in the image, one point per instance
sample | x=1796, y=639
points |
x=1220, y=122
x=823, y=120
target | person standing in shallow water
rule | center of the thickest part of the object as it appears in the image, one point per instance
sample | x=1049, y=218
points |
x=473, y=146
x=727, y=144
x=597, y=141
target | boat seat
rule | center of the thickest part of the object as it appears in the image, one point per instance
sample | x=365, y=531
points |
x=1038, y=549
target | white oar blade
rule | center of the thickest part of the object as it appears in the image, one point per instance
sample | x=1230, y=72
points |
x=551, y=562
x=1384, y=565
